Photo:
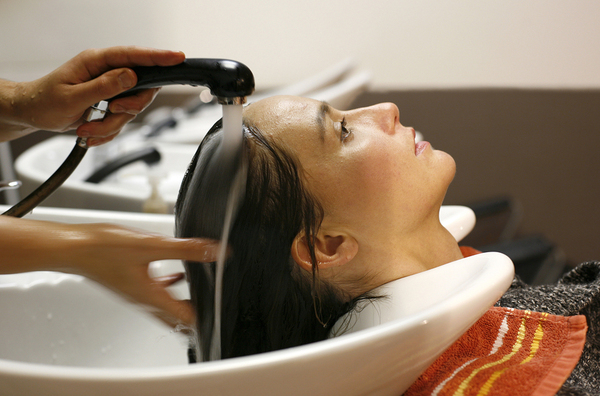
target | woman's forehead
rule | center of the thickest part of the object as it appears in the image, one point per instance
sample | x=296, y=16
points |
x=277, y=113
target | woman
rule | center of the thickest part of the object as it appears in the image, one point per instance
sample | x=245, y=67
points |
x=336, y=204
x=334, y=201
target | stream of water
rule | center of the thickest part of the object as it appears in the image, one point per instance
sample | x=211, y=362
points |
x=232, y=143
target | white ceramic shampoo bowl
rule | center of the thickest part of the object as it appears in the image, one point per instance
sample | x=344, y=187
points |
x=63, y=335
x=51, y=318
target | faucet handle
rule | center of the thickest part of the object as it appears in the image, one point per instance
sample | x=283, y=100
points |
x=10, y=185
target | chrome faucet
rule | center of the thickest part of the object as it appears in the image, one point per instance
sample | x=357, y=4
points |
x=10, y=185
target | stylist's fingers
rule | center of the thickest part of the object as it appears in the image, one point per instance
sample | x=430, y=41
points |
x=98, y=61
x=166, y=307
x=183, y=313
x=103, y=87
x=104, y=73
x=123, y=111
x=133, y=104
x=169, y=280
x=171, y=311
x=109, y=127
x=95, y=142
x=191, y=249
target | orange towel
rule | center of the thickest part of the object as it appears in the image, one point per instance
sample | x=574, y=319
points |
x=507, y=352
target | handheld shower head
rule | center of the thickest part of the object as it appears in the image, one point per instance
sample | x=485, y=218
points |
x=230, y=81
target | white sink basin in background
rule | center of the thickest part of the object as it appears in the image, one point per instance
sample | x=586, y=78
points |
x=64, y=335
x=126, y=190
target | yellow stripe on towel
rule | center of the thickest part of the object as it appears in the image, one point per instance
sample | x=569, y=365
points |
x=537, y=339
x=535, y=345
x=516, y=347
x=498, y=342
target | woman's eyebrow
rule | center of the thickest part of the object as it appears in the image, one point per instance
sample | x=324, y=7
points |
x=324, y=111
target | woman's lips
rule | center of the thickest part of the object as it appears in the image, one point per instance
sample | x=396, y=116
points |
x=420, y=147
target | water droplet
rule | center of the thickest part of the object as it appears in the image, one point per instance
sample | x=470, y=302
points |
x=49, y=316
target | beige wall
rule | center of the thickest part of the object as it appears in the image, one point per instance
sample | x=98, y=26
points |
x=406, y=43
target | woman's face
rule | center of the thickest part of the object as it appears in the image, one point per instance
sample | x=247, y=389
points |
x=362, y=164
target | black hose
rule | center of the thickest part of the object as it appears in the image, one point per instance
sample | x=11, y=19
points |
x=27, y=204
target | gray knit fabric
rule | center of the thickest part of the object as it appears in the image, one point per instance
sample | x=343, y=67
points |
x=577, y=293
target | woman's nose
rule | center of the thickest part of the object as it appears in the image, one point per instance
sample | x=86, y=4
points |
x=386, y=115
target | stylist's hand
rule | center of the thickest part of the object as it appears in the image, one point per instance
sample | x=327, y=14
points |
x=58, y=101
x=119, y=258
x=114, y=256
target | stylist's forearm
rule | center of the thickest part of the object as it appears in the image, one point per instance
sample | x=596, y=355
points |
x=27, y=245
x=12, y=121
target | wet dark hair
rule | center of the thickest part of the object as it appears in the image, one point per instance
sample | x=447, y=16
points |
x=269, y=302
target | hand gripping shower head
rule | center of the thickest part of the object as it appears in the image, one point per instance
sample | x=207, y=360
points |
x=230, y=81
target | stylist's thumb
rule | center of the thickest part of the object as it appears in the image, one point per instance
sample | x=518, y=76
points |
x=107, y=85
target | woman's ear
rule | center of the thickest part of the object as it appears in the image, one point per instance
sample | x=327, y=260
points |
x=330, y=250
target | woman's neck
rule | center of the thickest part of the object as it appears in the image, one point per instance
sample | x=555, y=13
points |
x=426, y=247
